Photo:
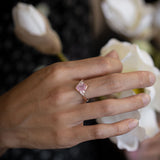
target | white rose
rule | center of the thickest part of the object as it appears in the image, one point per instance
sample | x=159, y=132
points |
x=135, y=59
x=34, y=29
x=131, y=18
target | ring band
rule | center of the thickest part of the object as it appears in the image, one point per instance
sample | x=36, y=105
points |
x=81, y=87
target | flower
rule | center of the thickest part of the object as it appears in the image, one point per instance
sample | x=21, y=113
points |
x=148, y=127
x=131, y=18
x=34, y=29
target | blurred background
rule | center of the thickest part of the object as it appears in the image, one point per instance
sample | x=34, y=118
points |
x=83, y=30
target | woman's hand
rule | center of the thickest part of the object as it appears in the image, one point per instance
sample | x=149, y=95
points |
x=148, y=150
x=46, y=112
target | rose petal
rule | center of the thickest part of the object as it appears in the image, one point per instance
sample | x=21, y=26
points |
x=130, y=141
x=148, y=121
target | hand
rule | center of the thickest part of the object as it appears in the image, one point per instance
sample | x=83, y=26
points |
x=149, y=150
x=46, y=112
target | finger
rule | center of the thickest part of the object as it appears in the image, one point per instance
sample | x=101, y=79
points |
x=94, y=67
x=109, y=107
x=151, y=141
x=152, y=151
x=152, y=148
x=118, y=82
x=112, y=54
x=148, y=154
x=101, y=131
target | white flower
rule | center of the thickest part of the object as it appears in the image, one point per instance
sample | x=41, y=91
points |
x=135, y=59
x=131, y=18
x=34, y=29
x=29, y=19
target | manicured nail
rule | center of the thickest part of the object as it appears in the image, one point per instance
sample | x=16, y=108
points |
x=145, y=98
x=152, y=78
x=133, y=123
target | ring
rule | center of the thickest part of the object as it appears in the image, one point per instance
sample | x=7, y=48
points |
x=81, y=87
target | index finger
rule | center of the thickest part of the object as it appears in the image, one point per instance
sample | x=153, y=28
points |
x=93, y=67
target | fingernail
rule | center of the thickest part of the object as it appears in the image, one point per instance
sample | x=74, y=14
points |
x=145, y=98
x=152, y=78
x=133, y=123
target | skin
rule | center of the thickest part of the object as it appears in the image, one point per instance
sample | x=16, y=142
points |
x=46, y=112
x=148, y=150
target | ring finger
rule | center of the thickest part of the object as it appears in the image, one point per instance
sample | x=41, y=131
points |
x=113, y=83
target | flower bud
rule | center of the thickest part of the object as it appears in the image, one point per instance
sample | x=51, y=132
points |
x=34, y=29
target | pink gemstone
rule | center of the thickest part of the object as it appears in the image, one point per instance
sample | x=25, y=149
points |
x=81, y=87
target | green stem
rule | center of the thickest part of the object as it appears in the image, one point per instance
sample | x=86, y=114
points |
x=62, y=57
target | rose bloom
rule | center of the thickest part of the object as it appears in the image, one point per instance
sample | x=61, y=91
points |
x=131, y=18
x=135, y=59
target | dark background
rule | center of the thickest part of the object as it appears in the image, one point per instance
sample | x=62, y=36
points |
x=70, y=18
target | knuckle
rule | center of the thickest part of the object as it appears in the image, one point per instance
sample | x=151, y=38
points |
x=142, y=78
x=140, y=101
x=107, y=108
x=58, y=69
x=59, y=142
x=55, y=118
x=118, y=129
x=114, y=82
x=58, y=139
x=64, y=116
x=58, y=96
x=105, y=63
x=98, y=132
x=64, y=141
x=110, y=64
x=60, y=118
x=120, y=66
